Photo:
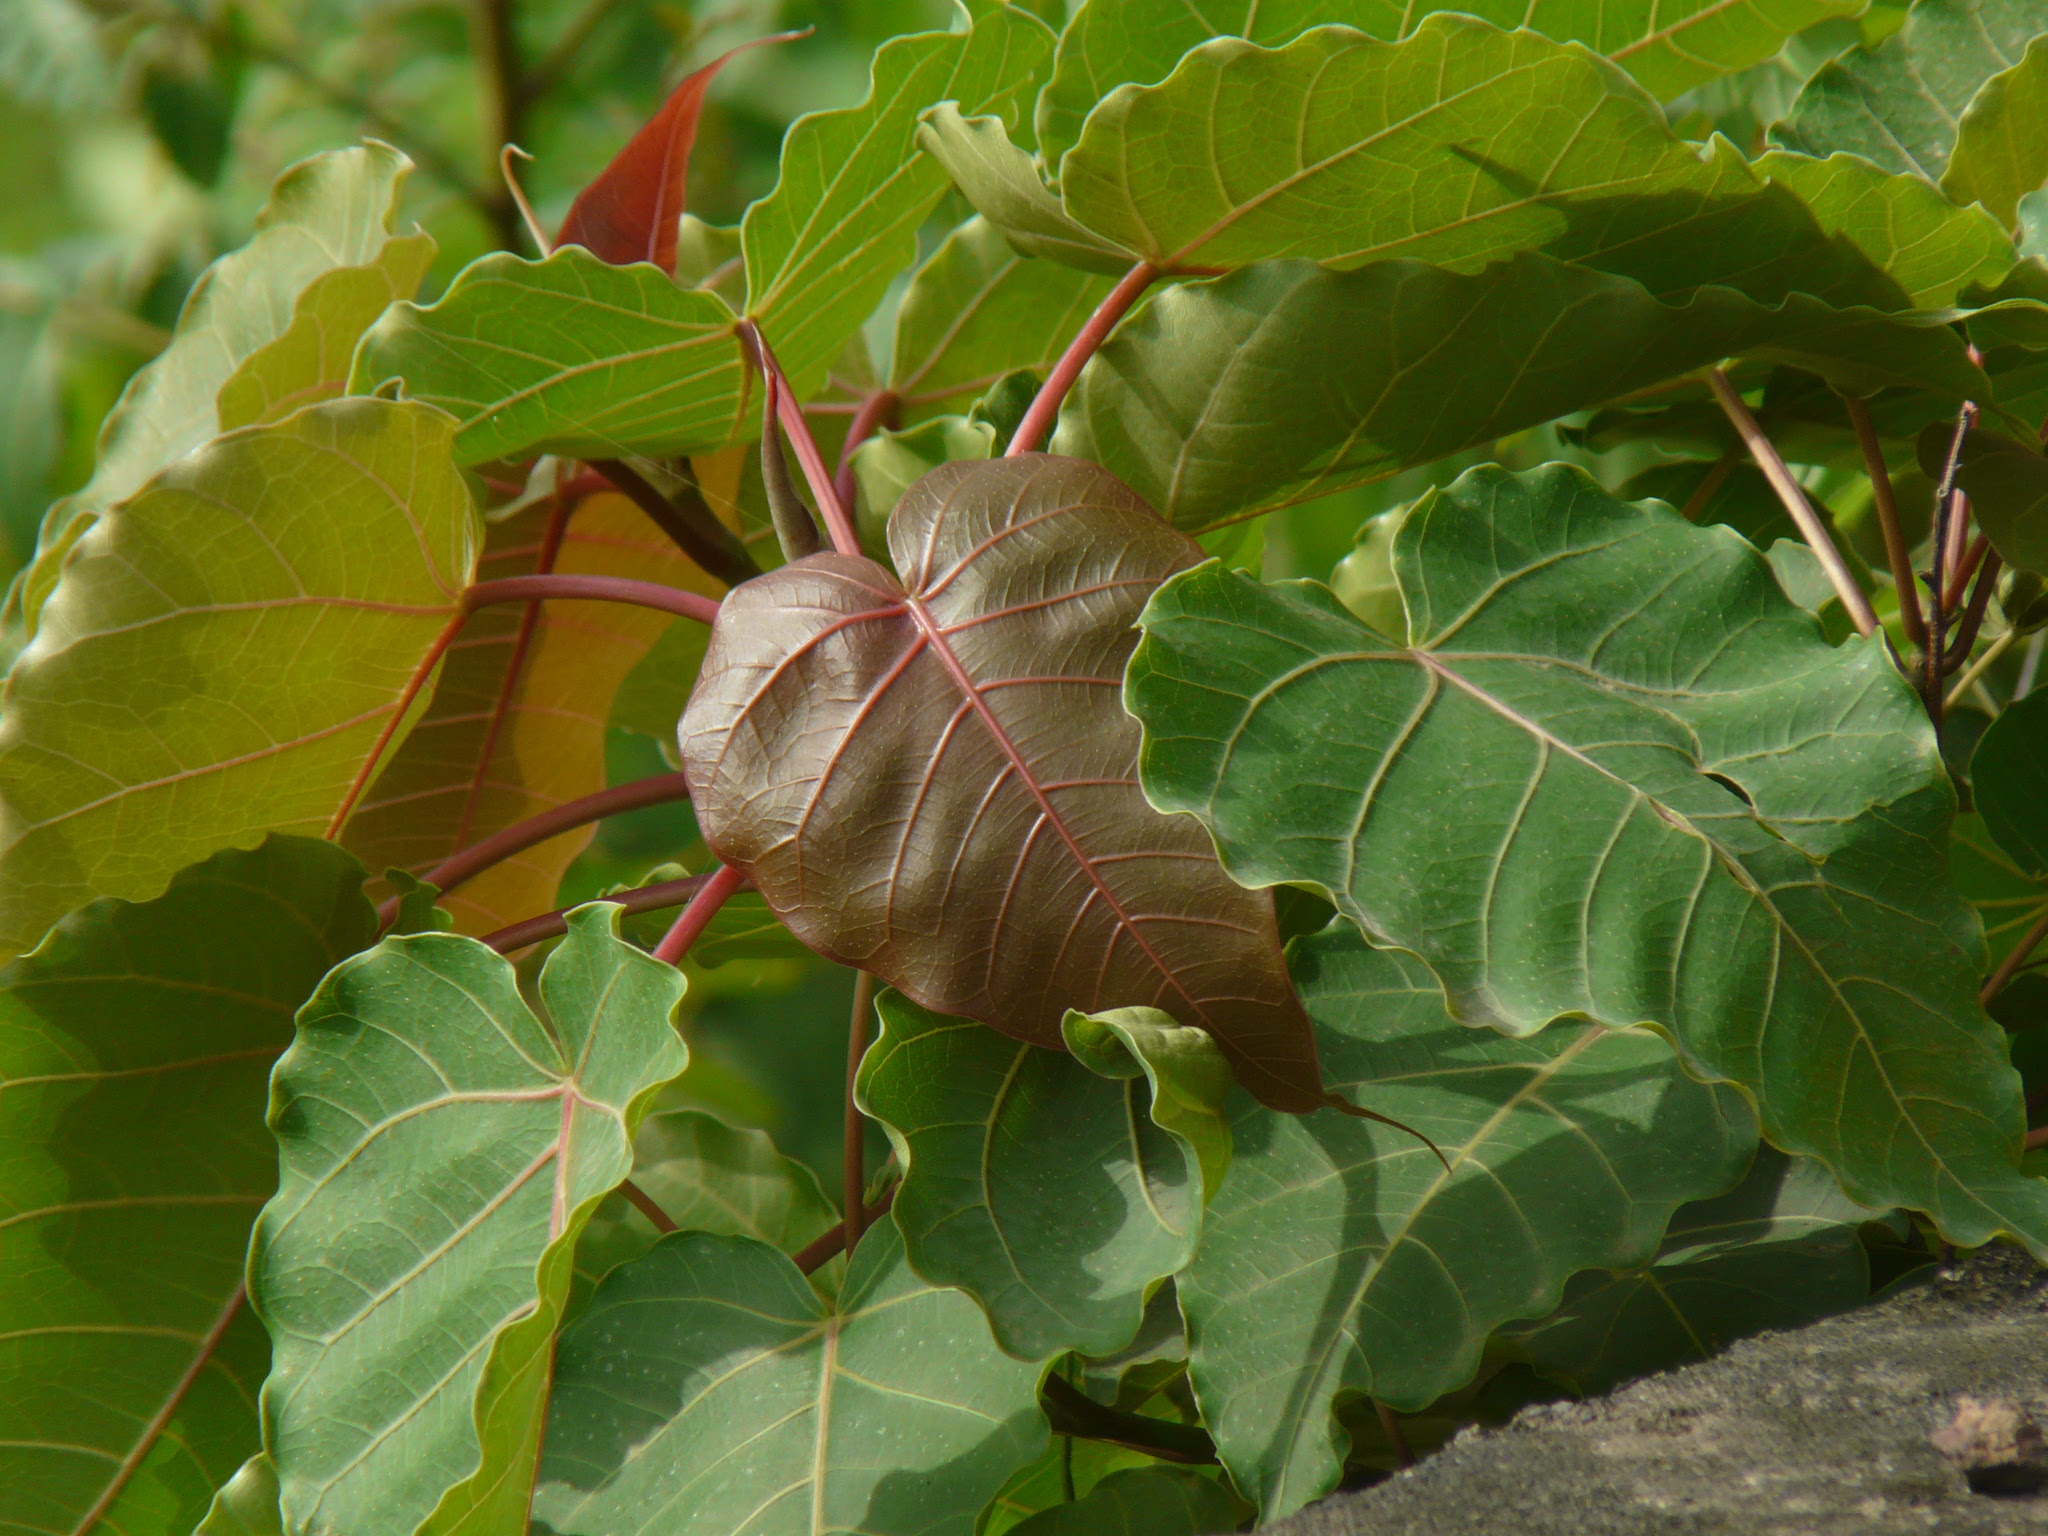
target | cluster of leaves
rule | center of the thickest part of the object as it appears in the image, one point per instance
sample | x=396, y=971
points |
x=1311, y=1015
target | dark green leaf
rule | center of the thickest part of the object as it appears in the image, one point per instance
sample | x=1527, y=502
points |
x=1614, y=774
x=2006, y=899
x=1142, y=1501
x=890, y=463
x=247, y=1505
x=2009, y=781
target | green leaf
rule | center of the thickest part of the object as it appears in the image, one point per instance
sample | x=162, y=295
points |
x=440, y=1150
x=890, y=463
x=1899, y=104
x=330, y=212
x=1780, y=1250
x=977, y=311
x=842, y=221
x=50, y=53
x=1038, y=1185
x=568, y=356
x=1221, y=400
x=1662, y=797
x=223, y=652
x=2007, y=483
x=2009, y=781
x=710, y=1390
x=1142, y=1501
x=2001, y=144
x=1668, y=48
x=1003, y=182
x=135, y=1048
x=707, y=1177
x=247, y=1505
x=1342, y=1259
x=2007, y=899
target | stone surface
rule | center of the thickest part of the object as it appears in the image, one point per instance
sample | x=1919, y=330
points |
x=1822, y=1431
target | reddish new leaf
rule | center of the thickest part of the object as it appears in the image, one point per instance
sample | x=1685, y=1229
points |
x=939, y=785
x=630, y=212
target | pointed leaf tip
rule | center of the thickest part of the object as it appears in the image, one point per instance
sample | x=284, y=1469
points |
x=629, y=213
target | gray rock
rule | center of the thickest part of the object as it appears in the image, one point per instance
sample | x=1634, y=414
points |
x=1813, y=1432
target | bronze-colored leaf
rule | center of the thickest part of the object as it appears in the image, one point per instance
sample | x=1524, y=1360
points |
x=939, y=784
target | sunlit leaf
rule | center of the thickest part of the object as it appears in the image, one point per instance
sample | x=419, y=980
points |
x=1780, y=1250
x=1669, y=800
x=710, y=1391
x=956, y=811
x=1341, y=1257
x=135, y=1049
x=2001, y=146
x=247, y=1504
x=224, y=650
x=440, y=1150
x=1052, y=1194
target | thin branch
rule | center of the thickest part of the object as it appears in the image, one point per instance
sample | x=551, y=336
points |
x=696, y=917
x=2038, y=1137
x=829, y=1245
x=603, y=589
x=552, y=925
x=1073, y=1412
x=1390, y=1424
x=1937, y=579
x=881, y=409
x=661, y=789
x=1979, y=667
x=643, y=1202
x=1045, y=408
x=1710, y=485
x=2021, y=952
x=689, y=524
x=853, y=1148
x=838, y=522
x=1963, y=569
x=1765, y=453
x=1973, y=616
x=1897, y=554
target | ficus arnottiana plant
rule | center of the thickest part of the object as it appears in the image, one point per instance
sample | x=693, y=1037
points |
x=1598, y=921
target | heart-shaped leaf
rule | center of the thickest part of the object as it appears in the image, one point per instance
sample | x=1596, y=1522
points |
x=1341, y=1258
x=440, y=1150
x=223, y=652
x=710, y=1391
x=1054, y=1193
x=1656, y=814
x=933, y=778
x=135, y=1052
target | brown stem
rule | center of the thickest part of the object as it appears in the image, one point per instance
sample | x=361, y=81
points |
x=1710, y=485
x=838, y=521
x=552, y=925
x=1073, y=1412
x=1937, y=581
x=829, y=1244
x=2038, y=1137
x=853, y=1149
x=696, y=917
x=1045, y=408
x=643, y=1202
x=881, y=409
x=603, y=589
x=496, y=41
x=1390, y=1424
x=1897, y=555
x=522, y=642
x=661, y=789
x=1973, y=616
x=691, y=526
x=2021, y=952
x=1963, y=569
x=1765, y=453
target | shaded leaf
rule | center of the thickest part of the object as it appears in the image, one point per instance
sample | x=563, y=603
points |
x=135, y=1048
x=956, y=813
x=1224, y=399
x=1668, y=48
x=568, y=356
x=1898, y=104
x=2001, y=146
x=1142, y=1501
x=1672, y=801
x=50, y=52
x=890, y=463
x=706, y=1176
x=546, y=738
x=440, y=1151
x=223, y=651
x=1780, y=1250
x=842, y=221
x=2009, y=782
x=332, y=211
x=1342, y=1260
x=1052, y=1194
x=2007, y=483
x=709, y=1389
x=247, y=1504
x=1003, y=182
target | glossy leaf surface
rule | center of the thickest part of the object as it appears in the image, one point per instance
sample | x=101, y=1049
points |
x=932, y=779
x=1657, y=816
x=135, y=1052
x=1223, y=399
x=1047, y=1191
x=1780, y=1250
x=710, y=1391
x=1341, y=1258
x=569, y=356
x=441, y=1150
x=223, y=651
